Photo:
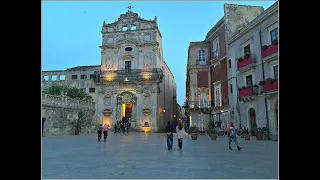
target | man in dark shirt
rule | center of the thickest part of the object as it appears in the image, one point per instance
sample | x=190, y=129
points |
x=169, y=131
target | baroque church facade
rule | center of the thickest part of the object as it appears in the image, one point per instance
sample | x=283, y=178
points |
x=133, y=79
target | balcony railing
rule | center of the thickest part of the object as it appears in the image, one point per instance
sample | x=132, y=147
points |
x=269, y=50
x=270, y=86
x=154, y=74
x=248, y=91
x=66, y=102
x=246, y=61
x=197, y=104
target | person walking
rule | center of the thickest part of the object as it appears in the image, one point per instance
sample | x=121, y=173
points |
x=99, y=132
x=169, y=131
x=232, y=131
x=181, y=133
x=105, y=132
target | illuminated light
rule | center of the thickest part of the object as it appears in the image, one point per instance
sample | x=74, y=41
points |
x=110, y=76
x=146, y=75
x=146, y=129
x=174, y=115
x=126, y=79
x=123, y=110
x=221, y=110
x=164, y=110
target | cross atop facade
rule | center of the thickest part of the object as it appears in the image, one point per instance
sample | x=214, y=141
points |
x=130, y=7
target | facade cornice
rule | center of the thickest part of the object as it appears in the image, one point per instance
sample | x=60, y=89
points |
x=258, y=20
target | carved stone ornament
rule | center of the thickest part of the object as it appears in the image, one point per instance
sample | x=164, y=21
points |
x=146, y=112
x=146, y=97
x=107, y=112
x=127, y=98
x=107, y=99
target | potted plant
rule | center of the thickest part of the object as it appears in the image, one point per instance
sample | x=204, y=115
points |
x=270, y=80
x=259, y=133
x=264, y=47
x=245, y=133
x=194, y=132
x=243, y=87
x=262, y=83
x=240, y=59
x=212, y=131
x=275, y=41
x=78, y=123
x=246, y=56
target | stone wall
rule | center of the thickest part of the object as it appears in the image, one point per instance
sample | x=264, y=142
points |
x=58, y=113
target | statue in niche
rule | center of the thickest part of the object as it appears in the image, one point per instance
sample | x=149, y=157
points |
x=146, y=97
x=147, y=61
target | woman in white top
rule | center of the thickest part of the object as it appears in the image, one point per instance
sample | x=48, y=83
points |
x=180, y=133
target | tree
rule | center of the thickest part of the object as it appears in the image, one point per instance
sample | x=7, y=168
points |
x=71, y=92
x=78, y=124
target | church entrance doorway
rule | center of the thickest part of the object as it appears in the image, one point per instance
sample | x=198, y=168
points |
x=126, y=110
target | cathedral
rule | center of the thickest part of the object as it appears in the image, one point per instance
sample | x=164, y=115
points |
x=133, y=79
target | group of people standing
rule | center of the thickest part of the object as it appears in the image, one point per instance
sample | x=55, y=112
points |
x=181, y=133
x=122, y=125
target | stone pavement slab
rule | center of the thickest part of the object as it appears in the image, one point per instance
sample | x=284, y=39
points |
x=140, y=155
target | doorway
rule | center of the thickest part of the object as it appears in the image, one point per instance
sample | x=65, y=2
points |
x=42, y=129
x=126, y=110
x=253, y=122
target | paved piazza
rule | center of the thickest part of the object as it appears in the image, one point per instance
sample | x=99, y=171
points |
x=139, y=155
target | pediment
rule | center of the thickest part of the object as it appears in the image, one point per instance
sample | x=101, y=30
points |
x=129, y=17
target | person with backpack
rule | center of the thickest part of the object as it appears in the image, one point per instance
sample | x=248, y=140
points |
x=105, y=132
x=99, y=132
x=181, y=133
x=169, y=131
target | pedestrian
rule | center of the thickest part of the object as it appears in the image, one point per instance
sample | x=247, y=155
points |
x=233, y=136
x=105, y=132
x=99, y=132
x=180, y=133
x=169, y=131
x=115, y=127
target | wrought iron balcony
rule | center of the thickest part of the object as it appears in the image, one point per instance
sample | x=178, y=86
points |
x=154, y=74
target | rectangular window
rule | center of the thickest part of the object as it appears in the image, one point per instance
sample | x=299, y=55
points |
x=92, y=90
x=54, y=78
x=229, y=63
x=45, y=78
x=127, y=66
x=216, y=48
x=83, y=76
x=74, y=77
x=62, y=77
x=91, y=76
x=274, y=34
x=202, y=58
x=231, y=90
x=246, y=50
x=275, y=71
x=217, y=95
x=249, y=80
